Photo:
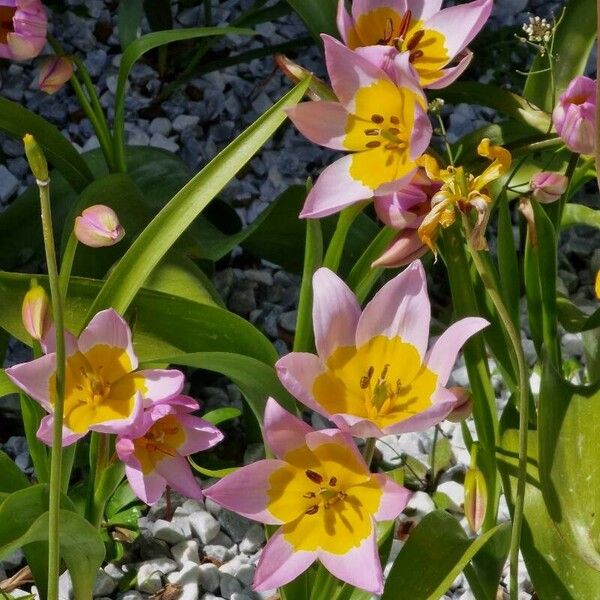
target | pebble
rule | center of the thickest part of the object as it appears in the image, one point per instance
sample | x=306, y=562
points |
x=160, y=141
x=253, y=539
x=183, y=122
x=205, y=526
x=9, y=184
x=187, y=578
x=187, y=551
x=105, y=584
x=209, y=577
x=235, y=525
x=168, y=531
x=229, y=585
x=160, y=125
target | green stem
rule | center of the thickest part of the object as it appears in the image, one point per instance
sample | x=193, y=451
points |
x=523, y=388
x=369, y=450
x=597, y=153
x=56, y=456
x=102, y=457
x=445, y=138
x=333, y=256
x=66, y=266
x=436, y=432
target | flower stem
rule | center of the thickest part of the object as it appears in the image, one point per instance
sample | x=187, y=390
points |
x=523, y=391
x=597, y=153
x=335, y=248
x=436, y=431
x=66, y=264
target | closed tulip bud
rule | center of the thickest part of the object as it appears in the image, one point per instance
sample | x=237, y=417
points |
x=463, y=407
x=317, y=89
x=23, y=29
x=575, y=115
x=35, y=158
x=402, y=251
x=547, y=186
x=34, y=311
x=476, y=497
x=98, y=226
x=54, y=73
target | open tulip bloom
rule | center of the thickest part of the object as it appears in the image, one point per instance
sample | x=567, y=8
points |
x=381, y=121
x=321, y=492
x=373, y=374
x=432, y=39
x=154, y=449
x=103, y=390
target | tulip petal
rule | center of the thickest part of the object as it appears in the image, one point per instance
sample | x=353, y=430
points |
x=322, y=122
x=359, y=567
x=280, y=563
x=442, y=356
x=406, y=248
x=423, y=9
x=121, y=426
x=314, y=439
x=48, y=342
x=334, y=189
x=45, y=433
x=33, y=378
x=394, y=499
x=245, y=491
x=284, y=431
x=159, y=384
x=400, y=309
x=421, y=135
x=460, y=24
x=343, y=20
x=356, y=426
x=176, y=471
x=335, y=313
x=361, y=7
x=148, y=488
x=199, y=435
x=451, y=74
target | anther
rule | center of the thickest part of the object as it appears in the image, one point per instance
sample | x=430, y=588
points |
x=384, y=372
x=373, y=144
x=372, y=131
x=395, y=120
x=365, y=380
x=333, y=482
x=309, y=495
x=313, y=510
x=387, y=34
x=394, y=130
x=377, y=119
x=314, y=476
x=405, y=24
x=391, y=146
x=414, y=40
x=415, y=55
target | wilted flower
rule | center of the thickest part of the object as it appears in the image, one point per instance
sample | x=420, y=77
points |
x=54, y=73
x=34, y=312
x=373, y=374
x=319, y=489
x=430, y=37
x=547, y=186
x=98, y=226
x=575, y=116
x=463, y=191
x=23, y=29
x=103, y=390
x=383, y=123
x=155, y=448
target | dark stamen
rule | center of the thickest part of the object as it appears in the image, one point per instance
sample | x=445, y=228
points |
x=394, y=130
x=414, y=40
x=373, y=144
x=404, y=24
x=314, y=476
x=377, y=119
x=313, y=510
x=415, y=55
x=372, y=131
x=395, y=120
x=365, y=380
x=309, y=495
x=333, y=481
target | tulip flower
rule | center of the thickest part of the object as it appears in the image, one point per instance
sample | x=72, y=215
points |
x=154, y=450
x=575, y=116
x=433, y=39
x=381, y=121
x=98, y=226
x=372, y=374
x=463, y=407
x=463, y=191
x=23, y=29
x=547, y=186
x=54, y=73
x=319, y=489
x=34, y=312
x=103, y=390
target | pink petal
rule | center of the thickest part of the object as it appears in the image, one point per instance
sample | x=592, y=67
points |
x=45, y=433
x=33, y=378
x=314, y=439
x=359, y=567
x=421, y=134
x=284, y=432
x=245, y=491
x=280, y=563
x=399, y=309
x=161, y=384
x=24, y=47
x=423, y=9
x=394, y=499
x=199, y=435
x=297, y=372
x=122, y=426
x=451, y=74
x=334, y=189
x=356, y=426
x=322, y=122
x=406, y=248
x=442, y=356
x=48, y=342
x=397, y=184
x=148, y=488
x=360, y=7
x=344, y=20
x=108, y=327
x=460, y=24
x=335, y=313
x=177, y=472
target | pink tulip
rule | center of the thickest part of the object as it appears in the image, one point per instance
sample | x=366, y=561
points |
x=154, y=450
x=98, y=226
x=548, y=187
x=23, y=29
x=373, y=374
x=381, y=120
x=54, y=73
x=320, y=491
x=575, y=116
x=463, y=407
x=104, y=391
x=35, y=312
x=435, y=41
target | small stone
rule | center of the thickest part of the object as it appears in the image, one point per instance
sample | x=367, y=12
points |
x=287, y=320
x=246, y=574
x=160, y=125
x=455, y=491
x=191, y=506
x=222, y=539
x=150, y=573
x=209, y=577
x=229, y=585
x=235, y=525
x=149, y=583
x=216, y=553
x=231, y=567
x=114, y=572
x=260, y=276
x=186, y=552
x=572, y=344
x=205, y=526
x=9, y=184
x=160, y=141
x=105, y=584
x=211, y=597
x=420, y=503
x=253, y=540
x=187, y=578
x=149, y=547
x=183, y=122
x=168, y=531
x=130, y=595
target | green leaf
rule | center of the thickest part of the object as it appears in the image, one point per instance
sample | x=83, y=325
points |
x=159, y=14
x=579, y=214
x=555, y=569
x=129, y=19
x=16, y=120
x=220, y=415
x=12, y=478
x=573, y=319
x=569, y=430
x=435, y=553
x=573, y=42
x=163, y=325
x=216, y=473
x=160, y=235
x=319, y=16
x=508, y=264
x=6, y=385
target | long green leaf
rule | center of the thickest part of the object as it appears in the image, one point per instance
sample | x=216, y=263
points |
x=16, y=120
x=6, y=385
x=164, y=230
x=574, y=319
x=508, y=264
x=319, y=16
x=12, y=478
x=129, y=19
x=579, y=214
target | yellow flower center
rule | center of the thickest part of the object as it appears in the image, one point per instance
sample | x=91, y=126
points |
x=325, y=498
x=383, y=380
x=6, y=22
x=384, y=26
x=160, y=441
x=99, y=387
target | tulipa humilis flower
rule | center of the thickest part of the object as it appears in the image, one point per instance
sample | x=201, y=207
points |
x=547, y=187
x=373, y=374
x=98, y=226
x=35, y=312
x=54, y=73
x=23, y=29
x=319, y=489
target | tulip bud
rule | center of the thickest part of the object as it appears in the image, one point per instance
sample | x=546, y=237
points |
x=575, y=115
x=54, y=73
x=476, y=494
x=547, y=186
x=35, y=158
x=317, y=89
x=402, y=251
x=463, y=407
x=597, y=286
x=98, y=226
x=34, y=311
